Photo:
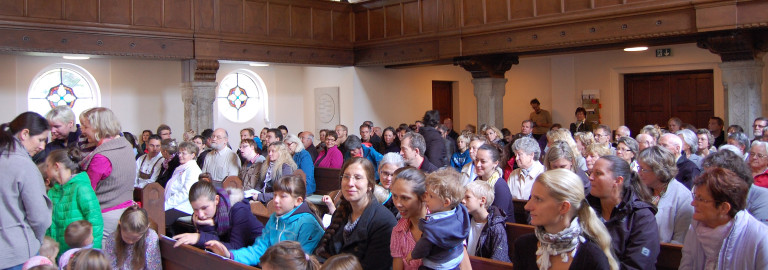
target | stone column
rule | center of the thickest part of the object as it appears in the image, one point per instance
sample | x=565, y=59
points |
x=489, y=82
x=489, y=93
x=198, y=93
x=742, y=81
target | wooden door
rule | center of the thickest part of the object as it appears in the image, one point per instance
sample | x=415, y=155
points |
x=653, y=98
x=442, y=98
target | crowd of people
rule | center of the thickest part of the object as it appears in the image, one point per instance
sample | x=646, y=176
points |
x=419, y=196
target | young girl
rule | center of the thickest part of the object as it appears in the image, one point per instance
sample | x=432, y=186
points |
x=293, y=220
x=133, y=245
x=288, y=255
x=72, y=196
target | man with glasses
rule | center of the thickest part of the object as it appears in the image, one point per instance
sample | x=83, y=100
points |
x=686, y=169
x=603, y=136
x=758, y=126
x=221, y=161
x=164, y=131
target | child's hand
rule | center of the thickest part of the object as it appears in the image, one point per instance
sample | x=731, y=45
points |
x=199, y=222
x=218, y=248
x=329, y=202
x=186, y=239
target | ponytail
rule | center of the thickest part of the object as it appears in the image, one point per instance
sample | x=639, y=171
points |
x=595, y=229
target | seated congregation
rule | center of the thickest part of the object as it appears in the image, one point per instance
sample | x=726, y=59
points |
x=419, y=196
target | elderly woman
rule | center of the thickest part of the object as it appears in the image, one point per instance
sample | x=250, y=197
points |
x=111, y=166
x=461, y=157
x=494, y=135
x=690, y=145
x=561, y=156
x=360, y=225
x=520, y=181
x=388, y=164
x=249, y=172
x=177, y=189
x=623, y=203
x=330, y=157
x=594, y=152
x=758, y=162
x=303, y=160
x=704, y=142
x=723, y=235
x=740, y=140
x=626, y=149
x=671, y=198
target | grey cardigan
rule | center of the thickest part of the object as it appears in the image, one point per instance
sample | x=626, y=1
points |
x=25, y=210
x=674, y=213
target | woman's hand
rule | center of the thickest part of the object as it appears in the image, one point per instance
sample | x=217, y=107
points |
x=218, y=248
x=199, y=222
x=329, y=202
x=186, y=239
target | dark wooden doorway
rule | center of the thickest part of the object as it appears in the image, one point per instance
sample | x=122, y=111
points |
x=653, y=98
x=442, y=98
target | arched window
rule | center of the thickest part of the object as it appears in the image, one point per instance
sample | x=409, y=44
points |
x=241, y=96
x=63, y=84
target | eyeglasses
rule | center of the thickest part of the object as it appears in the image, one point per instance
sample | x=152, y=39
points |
x=218, y=137
x=753, y=154
x=622, y=149
x=598, y=135
x=698, y=199
x=386, y=174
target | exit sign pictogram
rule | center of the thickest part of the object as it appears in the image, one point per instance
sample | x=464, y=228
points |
x=663, y=52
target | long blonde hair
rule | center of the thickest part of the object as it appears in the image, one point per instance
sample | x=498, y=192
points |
x=277, y=168
x=565, y=186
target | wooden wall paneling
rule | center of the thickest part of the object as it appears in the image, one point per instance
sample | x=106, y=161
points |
x=49, y=9
x=285, y=54
x=255, y=20
x=400, y=53
x=178, y=13
x=376, y=23
x=301, y=22
x=575, y=5
x=12, y=7
x=231, y=13
x=361, y=26
x=411, y=18
x=81, y=10
x=147, y=13
x=342, y=28
x=322, y=24
x=279, y=20
x=394, y=20
x=115, y=11
x=473, y=12
x=496, y=11
x=449, y=14
x=429, y=16
x=605, y=3
x=546, y=7
x=205, y=15
x=521, y=9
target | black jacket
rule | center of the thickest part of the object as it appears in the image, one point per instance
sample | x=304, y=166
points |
x=427, y=167
x=686, y=171
x=575, y=127
x=435, y=146
x=369, y=241
x=588, y=256
x=165, y=174
x=492, y=243
x=633, y=230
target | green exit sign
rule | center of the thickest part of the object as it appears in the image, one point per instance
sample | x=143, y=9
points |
x=663, y=52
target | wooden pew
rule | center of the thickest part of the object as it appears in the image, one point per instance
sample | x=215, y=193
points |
x=261, y=211
x=669, y=255
x=327, y=180
x=152, y=198
x=488, y=264
x=521, y=216
x=189, y=257
x=232, y=181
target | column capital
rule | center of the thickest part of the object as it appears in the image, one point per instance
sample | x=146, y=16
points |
x=200, y=70
x=487, y=66
x=736, y=45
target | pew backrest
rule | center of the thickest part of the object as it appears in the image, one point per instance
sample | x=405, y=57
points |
x=189, y=257
x=152, y=198
x=521, y=216
x=232, y=181
x=488, y=264
x=327, y=180
x=261, y=211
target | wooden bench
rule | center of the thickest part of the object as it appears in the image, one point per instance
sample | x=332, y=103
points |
x=327, y=180
x=261, y=211
x=521, y=216
x=152, y=198
x=669, y=255
x=189, y=257
x=488, y=264
x=232, y=181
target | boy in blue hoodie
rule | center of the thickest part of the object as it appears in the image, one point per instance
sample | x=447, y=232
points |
x=447, y=225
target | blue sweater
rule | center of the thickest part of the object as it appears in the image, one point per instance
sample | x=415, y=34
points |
x=298, y=225
x=443, y=235
x=304, y=162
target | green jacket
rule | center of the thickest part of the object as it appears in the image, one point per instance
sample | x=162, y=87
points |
x=74, y=201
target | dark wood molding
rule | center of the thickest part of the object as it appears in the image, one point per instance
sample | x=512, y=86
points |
x=736, y=45
x=487, y=66
x=205, y=70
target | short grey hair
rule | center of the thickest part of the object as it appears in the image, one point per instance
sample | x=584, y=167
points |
x=631, y=143
x=294, y=139
x=417, y=141
x=689, y=138
x=661, y=160
x=710, y=137
x=731, y=148
x=528, y=146
x=392, y=158
x=762, y=144
x=741, y=138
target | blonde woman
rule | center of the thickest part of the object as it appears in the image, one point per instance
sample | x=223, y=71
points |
x=494, y=135
x=583, y=140
x=303, y=160
x=279, y=163
x=568, y=235
x=565, y=136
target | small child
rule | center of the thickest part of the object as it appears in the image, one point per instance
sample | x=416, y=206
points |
x=72, y=196
x=288, y=255
x=446, y=227
x=48, y=252
x=78, y=235
x=91, y=259
x=343, y=261
x=487, y=232
x=133, y=245
x=294, y=219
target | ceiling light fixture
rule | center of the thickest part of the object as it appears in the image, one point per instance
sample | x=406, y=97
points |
x=635, y=49
x=76, y=57
x=258, y=64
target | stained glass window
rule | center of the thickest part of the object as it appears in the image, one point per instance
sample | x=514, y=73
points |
x=63, y=84
x=239, y=97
